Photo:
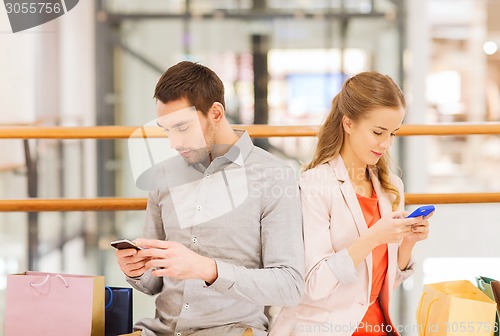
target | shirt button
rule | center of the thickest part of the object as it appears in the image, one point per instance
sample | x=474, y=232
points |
x=207, y=176
x=195, y=240
x=178, y=334
x=186, y=306
x=198, y=207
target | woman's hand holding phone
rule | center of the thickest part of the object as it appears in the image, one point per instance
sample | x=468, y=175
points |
x=420, y=230
x=391, y=228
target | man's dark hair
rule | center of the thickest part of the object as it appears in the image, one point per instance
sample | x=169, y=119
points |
x=194, y=82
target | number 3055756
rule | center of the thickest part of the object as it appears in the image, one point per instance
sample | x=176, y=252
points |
x=33, y=8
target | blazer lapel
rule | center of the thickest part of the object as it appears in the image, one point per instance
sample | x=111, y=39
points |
x=384, y=203
x=348, y=193
x=385, y=206
x=353, y=204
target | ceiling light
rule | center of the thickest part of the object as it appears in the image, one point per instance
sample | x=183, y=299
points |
x=490, y=47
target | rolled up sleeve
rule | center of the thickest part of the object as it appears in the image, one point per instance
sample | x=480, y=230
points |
x=342, y=266
x=402, y=275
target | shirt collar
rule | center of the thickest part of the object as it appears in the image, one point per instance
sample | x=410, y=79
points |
x=237, y=154
x=241, y=149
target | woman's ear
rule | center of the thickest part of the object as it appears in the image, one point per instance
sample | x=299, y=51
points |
x=217, y=112
x=347, y=124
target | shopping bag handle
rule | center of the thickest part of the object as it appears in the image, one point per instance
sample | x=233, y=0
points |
x=110, y=297
x=480, y=283
x=428, y=311
x=47, y=279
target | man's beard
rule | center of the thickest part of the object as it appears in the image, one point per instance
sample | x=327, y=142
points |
x=195, y=156
x=203, y=155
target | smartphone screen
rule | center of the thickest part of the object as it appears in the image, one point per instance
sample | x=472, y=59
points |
x=125, y=244
x=424, y=210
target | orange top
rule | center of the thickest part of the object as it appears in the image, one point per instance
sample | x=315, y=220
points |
x=374, y=318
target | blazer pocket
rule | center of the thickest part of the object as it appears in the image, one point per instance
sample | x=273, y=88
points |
x=308, y=313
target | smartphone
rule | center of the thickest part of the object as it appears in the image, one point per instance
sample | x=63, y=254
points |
x=424, y=210
x=124, y=244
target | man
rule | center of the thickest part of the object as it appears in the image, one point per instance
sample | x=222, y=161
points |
x=223, y=235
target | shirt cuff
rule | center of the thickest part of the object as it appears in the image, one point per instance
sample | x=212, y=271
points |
x=342, y=267
x=225, y=277
x=141, y=283
x=402, y=275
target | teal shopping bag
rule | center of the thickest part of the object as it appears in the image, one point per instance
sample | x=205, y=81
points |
x=485, y=285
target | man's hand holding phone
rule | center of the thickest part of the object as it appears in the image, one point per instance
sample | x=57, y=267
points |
x=174, y=260
x=130, y=262
x=166, y=258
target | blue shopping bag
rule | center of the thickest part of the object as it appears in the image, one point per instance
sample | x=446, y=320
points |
x=118, y=312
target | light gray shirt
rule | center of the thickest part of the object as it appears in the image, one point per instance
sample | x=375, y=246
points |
x=243, y=211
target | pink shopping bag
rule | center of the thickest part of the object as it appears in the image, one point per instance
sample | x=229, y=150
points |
x=54, y=304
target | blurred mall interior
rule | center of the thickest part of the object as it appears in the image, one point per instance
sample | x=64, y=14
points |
x=282, y=61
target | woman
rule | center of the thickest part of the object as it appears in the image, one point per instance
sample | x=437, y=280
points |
x=357, y=242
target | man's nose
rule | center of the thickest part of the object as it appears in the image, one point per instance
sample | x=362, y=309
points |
x=175, y=141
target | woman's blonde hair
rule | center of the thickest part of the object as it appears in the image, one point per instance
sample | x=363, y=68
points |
x=359, y=95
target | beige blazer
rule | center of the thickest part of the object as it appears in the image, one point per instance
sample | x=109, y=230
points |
x=337, y=293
